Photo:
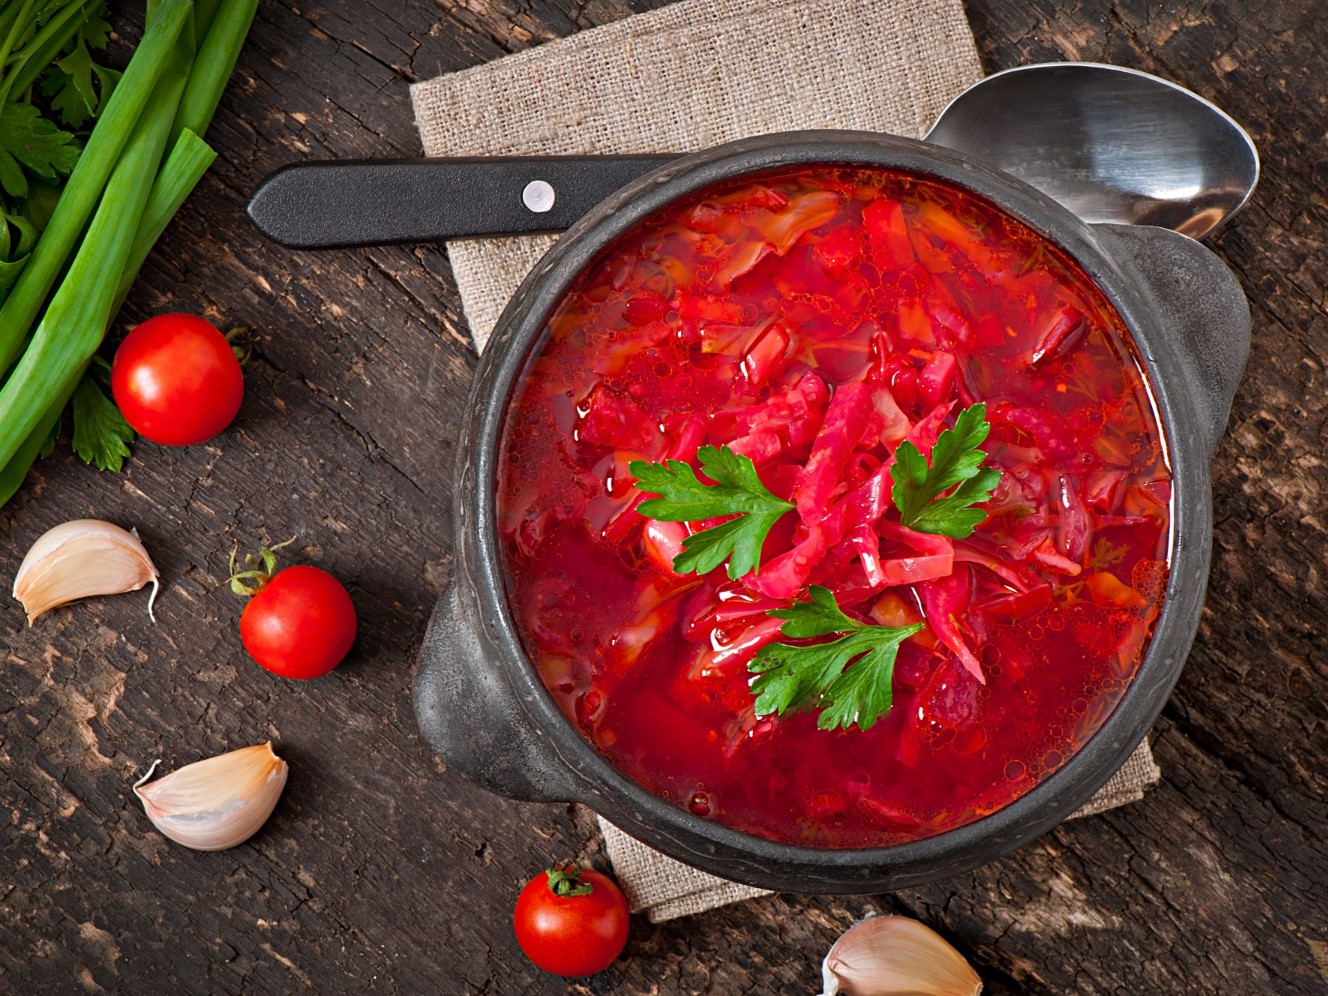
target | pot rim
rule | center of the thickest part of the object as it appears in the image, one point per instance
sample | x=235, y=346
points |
x=621, y=799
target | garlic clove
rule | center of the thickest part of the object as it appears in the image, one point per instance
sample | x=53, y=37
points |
x=896, y=956
x=216, y=803
x=81, y=558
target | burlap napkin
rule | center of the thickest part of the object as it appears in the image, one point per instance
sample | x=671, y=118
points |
x=685, y=77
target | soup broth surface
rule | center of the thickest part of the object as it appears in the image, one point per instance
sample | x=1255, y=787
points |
x=811, y=319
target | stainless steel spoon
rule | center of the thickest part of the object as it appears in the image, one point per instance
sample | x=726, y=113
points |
x=1111, y=144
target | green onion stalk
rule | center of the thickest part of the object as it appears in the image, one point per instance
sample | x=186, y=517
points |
x=188, y=161
x=86, y=184
x=173, y=98
x=72, y=327
x=221, y=30
x=59, y=29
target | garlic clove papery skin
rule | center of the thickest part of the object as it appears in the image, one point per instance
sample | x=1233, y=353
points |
x=217, y=803
x=896, y=956
x=81, y=558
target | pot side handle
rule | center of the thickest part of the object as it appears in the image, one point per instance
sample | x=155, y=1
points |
x=469, y=715
x=1203, y=311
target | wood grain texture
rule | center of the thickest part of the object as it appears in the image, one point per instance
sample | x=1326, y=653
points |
x=382, y=872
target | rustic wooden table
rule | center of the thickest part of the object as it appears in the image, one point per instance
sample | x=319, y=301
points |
x=380, y=870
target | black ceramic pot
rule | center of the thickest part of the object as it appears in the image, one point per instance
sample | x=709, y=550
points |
x=480, y=702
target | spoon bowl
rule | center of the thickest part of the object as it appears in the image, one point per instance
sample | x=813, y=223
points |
x=1111, y=144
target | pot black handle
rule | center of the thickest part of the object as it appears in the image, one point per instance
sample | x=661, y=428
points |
x=470, y=715
x=339, y=203
x=1202, y=308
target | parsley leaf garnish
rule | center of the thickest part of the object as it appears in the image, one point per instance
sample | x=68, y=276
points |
x=737, y=491
x=69, y=82
x=790, y=676
x=955, y=459
x=100, y=431
x=29, y=143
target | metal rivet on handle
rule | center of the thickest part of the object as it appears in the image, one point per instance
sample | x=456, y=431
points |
x=539, y=196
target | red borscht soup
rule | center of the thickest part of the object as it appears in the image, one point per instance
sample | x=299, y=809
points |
x=860, y=662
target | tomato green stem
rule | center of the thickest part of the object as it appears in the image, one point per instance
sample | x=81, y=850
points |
x=241, y=344
x=250, y=581
x=566, y=881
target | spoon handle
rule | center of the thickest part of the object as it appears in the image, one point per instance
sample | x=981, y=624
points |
x=332, y=204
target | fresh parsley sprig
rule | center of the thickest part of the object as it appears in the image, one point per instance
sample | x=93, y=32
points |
x=955, y=459
x=790, y=676
x=68, y=83
x=101, y=434
x=30, y=144
x=737, y=491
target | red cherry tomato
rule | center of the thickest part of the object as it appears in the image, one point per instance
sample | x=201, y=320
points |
x=571, y=921
x=300, y=624
x=176, y=380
